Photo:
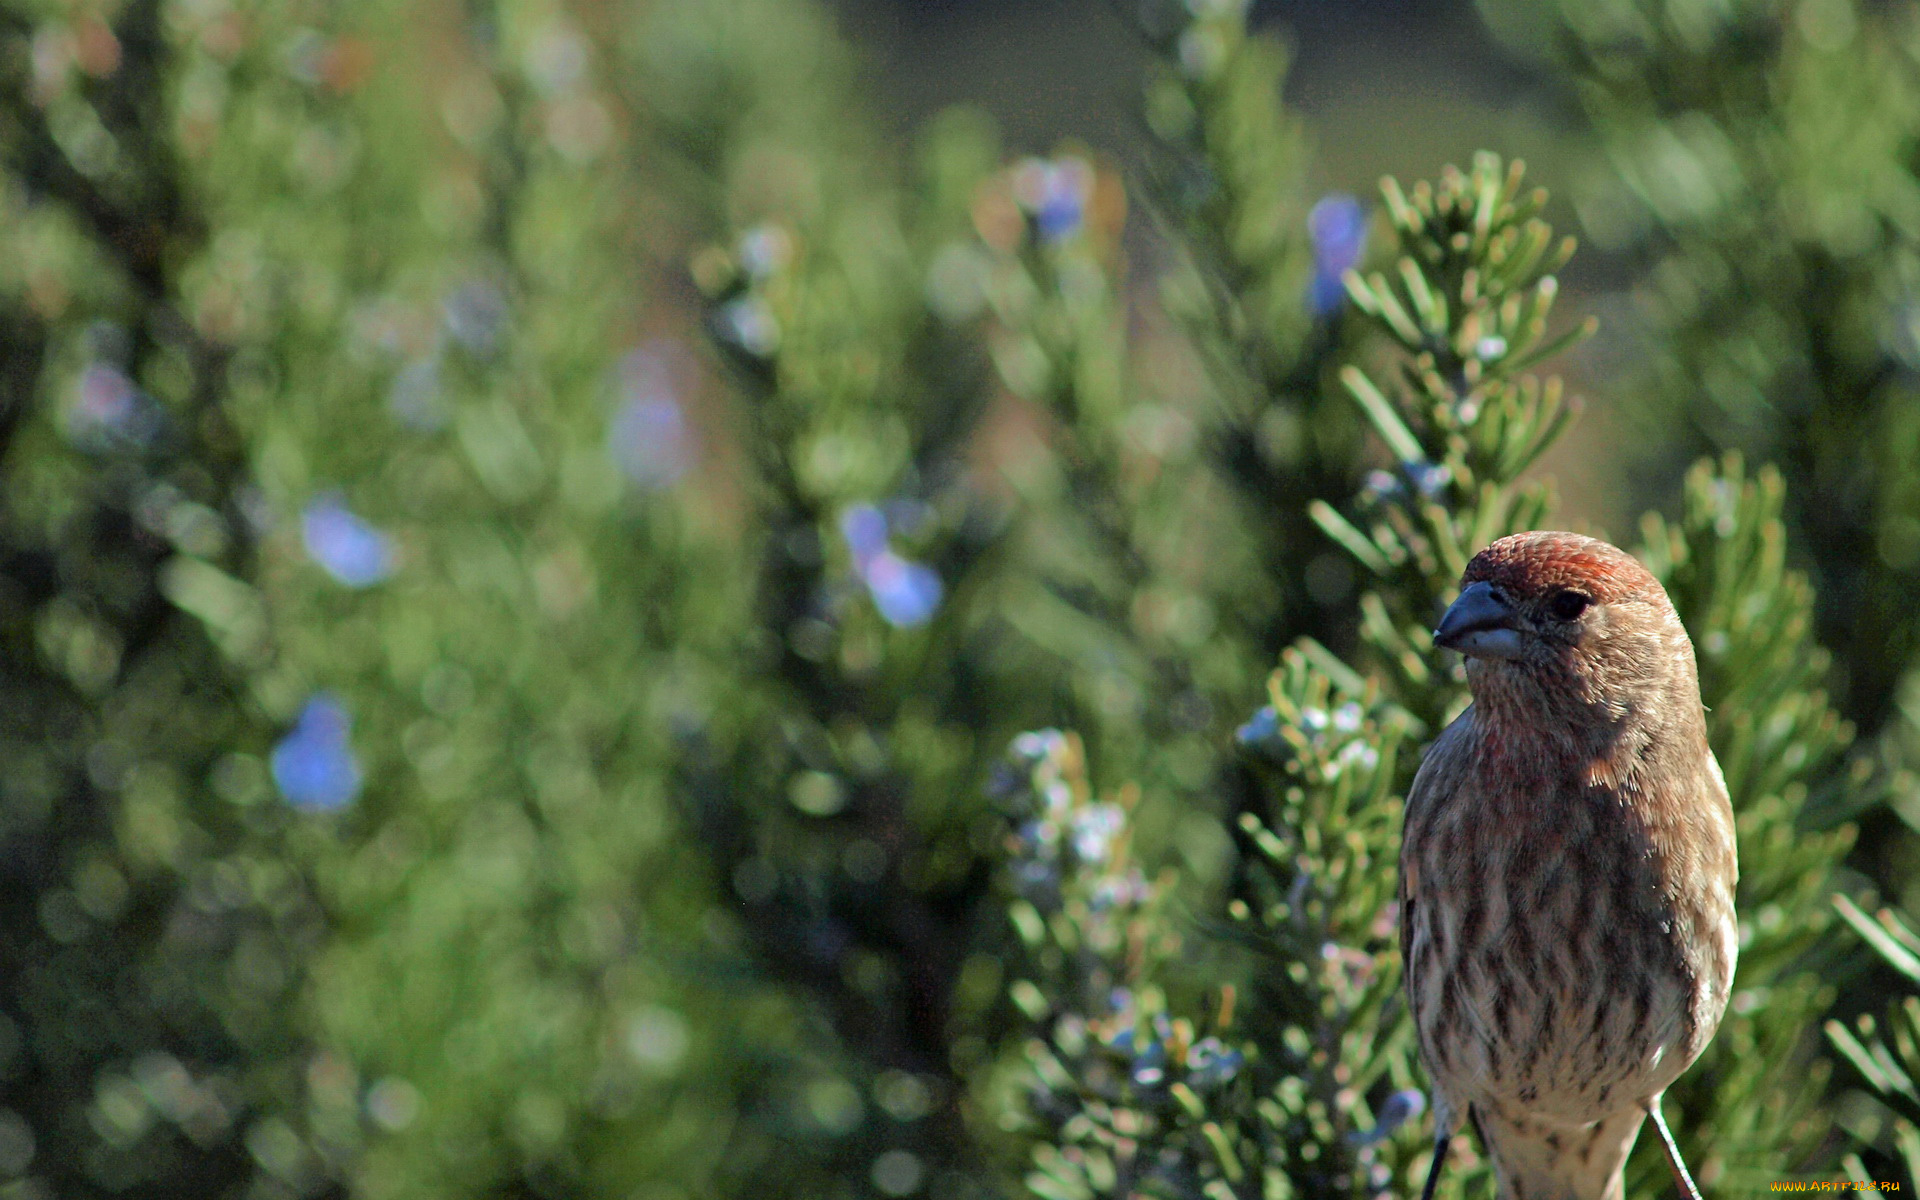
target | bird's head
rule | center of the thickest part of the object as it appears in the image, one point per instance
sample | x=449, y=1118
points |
x=1571, y=615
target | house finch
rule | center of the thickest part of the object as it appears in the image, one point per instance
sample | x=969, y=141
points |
x=1566, y=878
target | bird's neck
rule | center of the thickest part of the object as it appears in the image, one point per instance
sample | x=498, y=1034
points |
x=1539, y=726
x=1517, y=707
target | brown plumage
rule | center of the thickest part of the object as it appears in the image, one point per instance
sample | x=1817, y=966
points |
x=1567, y=872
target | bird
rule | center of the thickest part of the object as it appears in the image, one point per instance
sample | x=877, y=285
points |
x=1567, y=871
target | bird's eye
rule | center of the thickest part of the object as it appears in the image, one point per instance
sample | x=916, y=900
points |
x=1567, y=605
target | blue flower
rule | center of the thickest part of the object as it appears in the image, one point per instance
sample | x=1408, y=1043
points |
x=110, y=410
x=1054, y=194
x=1429, y=479
x=906, y=593
x=1264, y=727
x=865, y=529
x=313, y=766
x=649, y=438
x=1396, y=1110
x=1210, y=1062
x=1338, y=227
x=346, y=547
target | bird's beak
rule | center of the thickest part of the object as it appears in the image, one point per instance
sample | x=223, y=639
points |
x=1480, y=624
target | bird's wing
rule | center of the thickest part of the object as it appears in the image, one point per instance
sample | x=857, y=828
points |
x=1438, y=778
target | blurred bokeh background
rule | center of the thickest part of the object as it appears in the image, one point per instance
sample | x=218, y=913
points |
x=528, y=528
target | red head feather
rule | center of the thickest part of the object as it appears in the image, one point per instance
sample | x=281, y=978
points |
x=1530, y=564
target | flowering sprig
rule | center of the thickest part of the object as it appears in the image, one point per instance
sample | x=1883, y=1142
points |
x=1314, y=906
x=906, y=593
x=837, y=789
x=1467, y=305
x=1258, y=289
x=1060, y=337
x=1126, y=1098
x=1228, y=171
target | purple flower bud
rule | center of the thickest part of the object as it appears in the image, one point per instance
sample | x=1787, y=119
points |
x=1150, y=1064
x=1036, y=836
x=1396, y=1110
x=346, y=547
x=1038, y=744
x=1338, y=227
x=1429, y=479
x=764, y=250
x=1381, y=486
x=865, y=529
x=1040, y=872
x=648, y=437
x=1127, y=891
x=906, y=593
x=1210, y=1062
x=109, y=410
x=1263, y=728
x=1055, y=194
x=313, y=766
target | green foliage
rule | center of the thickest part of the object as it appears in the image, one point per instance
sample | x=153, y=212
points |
x=1118, y=1084
x=524, y=534
x=1227, y=176
x=455, y=985
x=836, y=789
x=153, y=935
x=1887, y=1059
x=489, y=1007
x=1467, y=307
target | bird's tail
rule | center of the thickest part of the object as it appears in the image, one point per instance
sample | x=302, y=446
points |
x=1537, y=1160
